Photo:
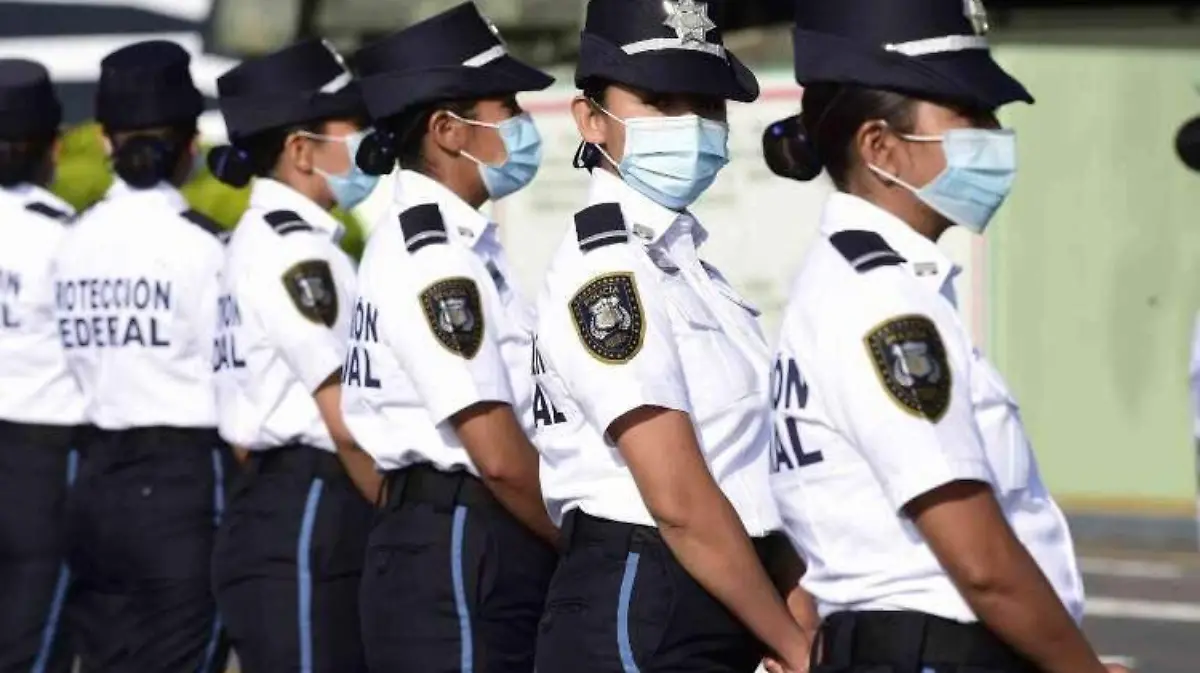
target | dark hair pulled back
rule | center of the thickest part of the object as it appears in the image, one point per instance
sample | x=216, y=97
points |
x=400, y=138
x=146, y=157
x=25, y=160
x=256, y=155
x=832, y=114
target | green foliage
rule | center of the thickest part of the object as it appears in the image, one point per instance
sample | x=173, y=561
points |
x=83, y=178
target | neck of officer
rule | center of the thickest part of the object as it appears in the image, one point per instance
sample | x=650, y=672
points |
x=898, y=201
x=312, y=189
x=463, y=180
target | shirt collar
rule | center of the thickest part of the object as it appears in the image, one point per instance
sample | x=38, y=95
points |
x=269, y=194
x=925, y=259
x=163, y=191
x=646, y=219
x=463, y=223
x=28, y=193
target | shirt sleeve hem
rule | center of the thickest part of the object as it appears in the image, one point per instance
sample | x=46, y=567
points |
x=442, y=409
x=904, y=489
x=608, y=411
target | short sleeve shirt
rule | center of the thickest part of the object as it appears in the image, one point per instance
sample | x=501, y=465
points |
x=136, y=287
x=287, y=295
x=880, y=397
x=642, y=321
x=38, y=387
x=437, y=327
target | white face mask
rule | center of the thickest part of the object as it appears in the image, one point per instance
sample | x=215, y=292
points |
x=671, y=160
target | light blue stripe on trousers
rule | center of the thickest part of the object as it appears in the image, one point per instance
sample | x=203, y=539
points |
x=304, y=574
x=623, y=645
x=210, y=652
x=60, y=588
x=460, y=589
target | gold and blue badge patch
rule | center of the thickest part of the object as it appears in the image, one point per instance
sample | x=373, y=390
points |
x=454, y=314
x=310, y=285
x=608, y=318
x=910, y=359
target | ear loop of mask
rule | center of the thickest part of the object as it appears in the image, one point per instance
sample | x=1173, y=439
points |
x=603, y=152
x=907, y=137
x=477, y=123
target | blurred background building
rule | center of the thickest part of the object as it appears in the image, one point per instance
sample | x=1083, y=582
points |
x=1084, y=291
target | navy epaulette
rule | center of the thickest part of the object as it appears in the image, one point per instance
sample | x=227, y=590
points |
x=286, y=222
x=599, y=226
x=206, y=223
x=48, y=211
x=865, y=250
x=423, y=225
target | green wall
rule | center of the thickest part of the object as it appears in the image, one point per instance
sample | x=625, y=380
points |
x=1095, y=270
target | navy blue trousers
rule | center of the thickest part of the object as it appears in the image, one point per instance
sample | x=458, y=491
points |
x=142, y=517
x=37, y=466
x=287, y=564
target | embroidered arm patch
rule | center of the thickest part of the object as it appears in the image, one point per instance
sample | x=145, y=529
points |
x=454, y=314
x=310, y=285
x=608, y=318
x=910, y=359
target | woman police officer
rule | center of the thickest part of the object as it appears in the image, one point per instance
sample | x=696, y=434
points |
x=652, y=372
x=436, y=385
x=137, y=285
x=41, y=408
x=902, y=468
x=294, y=536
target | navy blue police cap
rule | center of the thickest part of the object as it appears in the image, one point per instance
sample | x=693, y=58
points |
x=662, y=46
x=936, y=49
x=28, y=104
x=304, y=82
x=145, y=85
x=455, y=55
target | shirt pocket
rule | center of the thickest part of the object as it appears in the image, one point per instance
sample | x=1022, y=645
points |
x=716, y=372
x=999, y=419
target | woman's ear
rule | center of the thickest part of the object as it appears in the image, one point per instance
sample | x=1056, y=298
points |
x=447, y=132
x=589, y=121
x=877, y=146
x=298, y=151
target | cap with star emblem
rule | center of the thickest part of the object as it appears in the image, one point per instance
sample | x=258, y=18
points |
x=28, y=104
x=663, y=46
x=926, y=48
x=304, y=82
x=455, y=55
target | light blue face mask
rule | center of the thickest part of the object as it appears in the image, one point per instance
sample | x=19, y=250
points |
x=354, y=186
x=980, y=167
x=672, y=160
x=523, y=145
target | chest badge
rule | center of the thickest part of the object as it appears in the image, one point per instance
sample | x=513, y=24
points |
x=310, y=285
x=608, y=318
x=910, y=359
x=454, y=314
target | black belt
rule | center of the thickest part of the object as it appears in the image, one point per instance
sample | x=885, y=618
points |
x=296, y=458
x=427, y=485
x=580, y=529
x=151, y=440
x=64, y=436
x=909, y=641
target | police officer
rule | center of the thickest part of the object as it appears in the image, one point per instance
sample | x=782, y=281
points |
x=293, y=538
x=901, y=466
x=652, y=372
x=436, y=384
x=136, y=300
x=40, y=405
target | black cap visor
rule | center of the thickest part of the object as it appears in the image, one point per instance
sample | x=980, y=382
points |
x=391, y=93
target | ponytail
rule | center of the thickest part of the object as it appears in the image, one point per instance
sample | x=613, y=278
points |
x=144, y=159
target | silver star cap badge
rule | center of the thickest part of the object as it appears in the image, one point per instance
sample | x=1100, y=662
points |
x=689, y=19
x=976, y=13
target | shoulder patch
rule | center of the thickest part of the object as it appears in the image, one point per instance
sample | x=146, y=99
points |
x=423, y=225
x=454, y=314
x=48, y=211
x=206, y=223
x=910, y=359
x=608, y=318
x=865, y=250
x=286, y=222
x=310, y=285
x=599, y=226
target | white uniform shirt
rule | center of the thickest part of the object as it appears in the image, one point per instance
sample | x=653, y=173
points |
x=880, y=397
x=436, y=330
x=287, y=294
x=37, y=386
x=136, y=297
x=643, y=322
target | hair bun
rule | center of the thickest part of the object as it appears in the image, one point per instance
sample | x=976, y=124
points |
x=376, y=153
x=231, y=165
x=788, y=151
x=144, y=161
x=1187, y=144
